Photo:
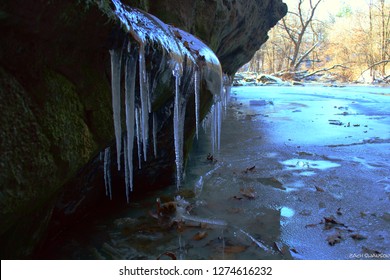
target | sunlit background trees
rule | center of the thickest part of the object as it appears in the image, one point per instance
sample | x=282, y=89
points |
x=351, y=43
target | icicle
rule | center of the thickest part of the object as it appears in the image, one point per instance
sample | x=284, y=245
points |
x=144, y=100
x=178, y=123
x=149, y=91
x=127, y=178
x=219, y=123
x=213, y=128
x=197, y=101
x=107, y=171
x=130, y=74
x=138, y=133
x=116, y=100
x=155, y=135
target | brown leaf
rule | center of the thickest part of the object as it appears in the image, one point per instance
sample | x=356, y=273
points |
x=331, y=222
x=310, y=225
x=167, y=208
x=200, y=235
x=370, y=251
x=250, y=169
x=248, y=192
x=186, y=44
x=168, y=254
x=294, y=250
x=358, y=236
x=177, y=34
x=283, y=249
x=318, y=189
x=234, y=249
x=334, y=239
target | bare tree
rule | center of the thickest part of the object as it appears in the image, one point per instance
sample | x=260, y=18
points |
x=298, y=31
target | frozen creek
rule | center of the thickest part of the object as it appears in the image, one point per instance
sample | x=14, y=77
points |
x=302, y=173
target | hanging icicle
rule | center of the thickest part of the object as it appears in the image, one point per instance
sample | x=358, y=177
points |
x=116, y=56
x=143, y=91
x=219, y=123
x=178, y=125
x=127, y=170
x=197, y=99
x=107, y=172
x=138, y=134
x=130, y=75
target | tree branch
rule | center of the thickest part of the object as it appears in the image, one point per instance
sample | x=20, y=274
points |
x=325, y=70
x=305, y=55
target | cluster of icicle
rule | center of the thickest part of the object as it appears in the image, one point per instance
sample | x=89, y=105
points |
x=144, y=29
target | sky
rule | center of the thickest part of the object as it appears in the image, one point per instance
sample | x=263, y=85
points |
x=327, y=7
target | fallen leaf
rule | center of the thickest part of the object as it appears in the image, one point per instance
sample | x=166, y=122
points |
x=250, y=169
x=370, y=251
x=318, y=189
x=331, y=222
x=177, y=34
x=167, y=208
x=234, y=249
x=294, y=250
x=186, y=44
x=200, y=235
x=248, y=192
x=283, y=249
x=168, y=254
x=334, y=239
x=358, y=236
x=310, y=225
x=304, y=154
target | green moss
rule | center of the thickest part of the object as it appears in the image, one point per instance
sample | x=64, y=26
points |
x=63, y=123
x=27, y=166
